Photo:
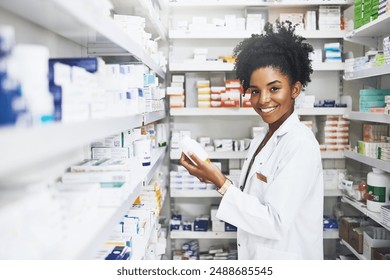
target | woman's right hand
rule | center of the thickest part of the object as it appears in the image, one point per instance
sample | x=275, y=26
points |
x=206, y=172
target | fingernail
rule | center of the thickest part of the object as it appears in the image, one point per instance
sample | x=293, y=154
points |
x=190, y=153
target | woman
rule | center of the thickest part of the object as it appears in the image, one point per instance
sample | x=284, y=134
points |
x=278, y=204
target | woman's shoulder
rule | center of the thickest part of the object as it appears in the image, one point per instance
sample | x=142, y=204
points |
x=300, y=134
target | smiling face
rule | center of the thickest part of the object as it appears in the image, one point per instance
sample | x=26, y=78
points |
x=272, y=95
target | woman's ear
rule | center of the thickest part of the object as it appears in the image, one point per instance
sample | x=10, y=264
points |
x=296, y=90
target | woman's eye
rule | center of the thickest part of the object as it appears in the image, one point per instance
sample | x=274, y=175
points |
x=274, y=89
x=254, y=91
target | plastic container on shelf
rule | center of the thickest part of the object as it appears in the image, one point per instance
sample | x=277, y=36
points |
x=378, y=189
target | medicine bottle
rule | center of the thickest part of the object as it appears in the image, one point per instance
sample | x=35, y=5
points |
x=378, y=189
x=189, y=145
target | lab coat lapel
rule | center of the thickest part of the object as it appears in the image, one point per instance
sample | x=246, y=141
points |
x=262, y=157
x=252, y=149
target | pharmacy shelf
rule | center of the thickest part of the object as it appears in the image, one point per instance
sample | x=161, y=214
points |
x=47, y=141
x=201, y=66
x=216, y=155
x=332, y=155
x=153, y=117
x=214, y=193
x=80, y=23
x=110, y=216
x=378, y=163
x=143, y=242
x=250, y=112
x=367, y=73
x=145, y=9
x=174, y=155
x=331, y=234
x=368, y=117
x=363, y=209
x=332, y=193
x=249, y=3
x=375, y=28
x=225, y=67
x=181, y=234
x=229, y=34
x=328, y=66
x=209, y=34
x=359, y=256
x=194, y=193
x=157, y=159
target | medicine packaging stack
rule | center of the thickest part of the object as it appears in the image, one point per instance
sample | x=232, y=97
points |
x=220, y=252
x=204, y=93
x=181, y=180
x=310, y=20
x=216, y=96
x=333, y=133
x=370, y=99
x=231, y=98
x=256, y=17
x=386, y=49
x=176, y=92
x=189, y=251
x=329, y=18
x=332, y=52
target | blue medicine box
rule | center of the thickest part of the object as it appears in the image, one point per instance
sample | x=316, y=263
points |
x=229, y=227
x=201, y=225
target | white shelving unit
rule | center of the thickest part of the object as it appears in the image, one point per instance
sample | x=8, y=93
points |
x=370, y=34
x=79, y=23
x=368, y=117
x=359, y=256
x=194, y=193
x=214, y=193
x=55, y=139
x=202, y=235
x=378, y=163
x=315, y=34
x=332, y=192
x=367, y=33
x=363, y=209
x=108, y=216
x=242, y=155
x=246, y=3
x=145, y=9
x=218, y=43
x=368, y=73
x=250, y=112
x=84, y=28
x=331, y=234
x=226, y=67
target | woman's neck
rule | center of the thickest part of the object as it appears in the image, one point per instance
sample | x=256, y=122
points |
x=272, y=127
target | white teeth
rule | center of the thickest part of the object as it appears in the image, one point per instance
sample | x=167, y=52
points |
x=267, y=110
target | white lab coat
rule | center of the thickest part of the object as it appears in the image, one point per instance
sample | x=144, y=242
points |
x=283, y=217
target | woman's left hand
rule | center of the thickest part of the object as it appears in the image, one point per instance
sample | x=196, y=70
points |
x=206, y=172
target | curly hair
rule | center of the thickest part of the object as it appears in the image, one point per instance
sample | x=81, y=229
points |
x=282, y=50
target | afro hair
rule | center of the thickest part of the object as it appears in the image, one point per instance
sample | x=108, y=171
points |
x=278, y=47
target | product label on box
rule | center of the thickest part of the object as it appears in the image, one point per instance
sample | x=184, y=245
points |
x=377, y=194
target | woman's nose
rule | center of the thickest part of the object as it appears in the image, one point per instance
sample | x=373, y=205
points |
x=265, y=97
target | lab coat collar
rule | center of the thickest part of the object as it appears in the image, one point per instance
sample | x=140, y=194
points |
x=288, y=124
